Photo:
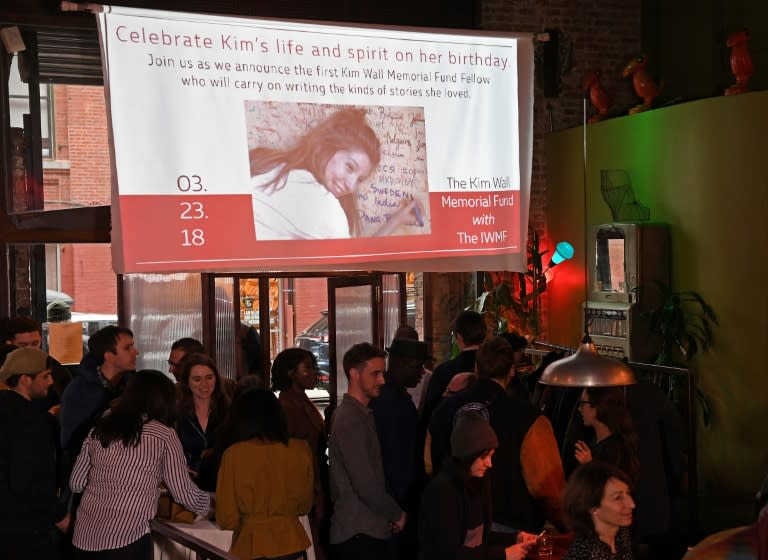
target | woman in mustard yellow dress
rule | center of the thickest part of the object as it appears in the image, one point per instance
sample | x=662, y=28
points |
x=265, y=482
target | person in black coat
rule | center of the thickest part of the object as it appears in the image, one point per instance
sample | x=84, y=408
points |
x=456, y=509
x=31, y=511
x=469, y=332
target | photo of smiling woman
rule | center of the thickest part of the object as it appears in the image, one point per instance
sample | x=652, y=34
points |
x=310, y=190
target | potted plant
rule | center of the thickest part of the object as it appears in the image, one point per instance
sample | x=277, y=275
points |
x=514, y=298
x=684, y=323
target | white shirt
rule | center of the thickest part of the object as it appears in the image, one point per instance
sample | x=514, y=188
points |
x=120, y=487
x=301, y=209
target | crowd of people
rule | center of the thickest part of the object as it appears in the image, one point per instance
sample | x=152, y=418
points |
x=457, y=464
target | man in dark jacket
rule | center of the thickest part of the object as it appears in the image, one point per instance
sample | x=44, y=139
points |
x=398, y=428
x=99, y=379
x=30, y=510
x=527, y=477
x=469, y=332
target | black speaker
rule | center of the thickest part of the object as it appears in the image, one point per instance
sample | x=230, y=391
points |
x=549, y=74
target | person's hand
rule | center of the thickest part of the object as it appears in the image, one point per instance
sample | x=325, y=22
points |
x=517, y=551
x=398, y=525
x=582, y=452
x=409, y=213
x=63, y=524
x=54, y=410
x=526, y=538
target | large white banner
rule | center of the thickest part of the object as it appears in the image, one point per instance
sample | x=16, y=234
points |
x=244, y=144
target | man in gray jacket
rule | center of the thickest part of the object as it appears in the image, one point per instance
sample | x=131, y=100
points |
x=364, y=515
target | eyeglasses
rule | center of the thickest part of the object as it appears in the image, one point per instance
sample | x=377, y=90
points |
x=582, y=403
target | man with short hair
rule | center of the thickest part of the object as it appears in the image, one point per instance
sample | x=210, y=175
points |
x=527, y=476
x=365, y=515
x=180, y=350
x=469, y=332
x=28, y=470
x=100, y=379
x=23, y=331
x=401, y=436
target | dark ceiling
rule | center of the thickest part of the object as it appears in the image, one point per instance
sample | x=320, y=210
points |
x=429, y=13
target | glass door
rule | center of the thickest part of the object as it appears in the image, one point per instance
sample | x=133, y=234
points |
x=353, y=317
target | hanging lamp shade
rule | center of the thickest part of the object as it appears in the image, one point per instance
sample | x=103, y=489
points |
x=587, y=368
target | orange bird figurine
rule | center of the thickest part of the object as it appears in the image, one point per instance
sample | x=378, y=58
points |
x=599, y=97
x=741, y=61
x=645, y=87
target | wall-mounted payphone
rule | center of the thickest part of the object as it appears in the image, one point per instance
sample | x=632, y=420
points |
x=625, y=260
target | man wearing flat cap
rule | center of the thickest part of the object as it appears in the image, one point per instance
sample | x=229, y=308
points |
x=31, y=510
x=400, y=435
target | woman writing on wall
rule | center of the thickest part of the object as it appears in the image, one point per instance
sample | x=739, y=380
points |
x=202, y=408
x=598, y=507
x=265, y=482
x=128, y=453
x=309, y=191
x=614, y=441
x=294, y=371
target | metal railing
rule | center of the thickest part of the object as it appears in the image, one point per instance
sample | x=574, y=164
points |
x=201, y=549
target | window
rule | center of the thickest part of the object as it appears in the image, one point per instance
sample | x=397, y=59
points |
x=73, y=167
x=18, y=97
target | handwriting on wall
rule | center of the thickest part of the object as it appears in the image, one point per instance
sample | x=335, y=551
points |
x=401, y=174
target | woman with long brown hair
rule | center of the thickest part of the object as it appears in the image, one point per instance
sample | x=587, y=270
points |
x=309, y=191
x=603, y=410
x=132, y=448
x=202, y=409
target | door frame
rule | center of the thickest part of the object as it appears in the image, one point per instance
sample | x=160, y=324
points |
x=335, y=282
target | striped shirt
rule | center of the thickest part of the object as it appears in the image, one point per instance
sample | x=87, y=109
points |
x=120, y=487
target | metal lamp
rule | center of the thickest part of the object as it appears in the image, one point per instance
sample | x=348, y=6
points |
x=587, y=368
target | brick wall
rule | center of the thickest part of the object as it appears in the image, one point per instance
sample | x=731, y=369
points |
x=81, y=140
x=86, y=275
x=311, y=299
x=88, y=145
x=601, y=35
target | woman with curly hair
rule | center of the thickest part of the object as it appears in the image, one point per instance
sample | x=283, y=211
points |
x=309, y=191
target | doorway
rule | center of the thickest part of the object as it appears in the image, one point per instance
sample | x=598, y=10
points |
x=253, y=317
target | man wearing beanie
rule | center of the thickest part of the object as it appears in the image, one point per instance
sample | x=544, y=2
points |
x=31, y=510
x=456, y=511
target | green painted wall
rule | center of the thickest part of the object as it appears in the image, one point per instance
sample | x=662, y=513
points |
x=702, y=167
